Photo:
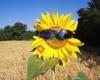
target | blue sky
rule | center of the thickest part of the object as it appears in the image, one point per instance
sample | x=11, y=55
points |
x=26, y=11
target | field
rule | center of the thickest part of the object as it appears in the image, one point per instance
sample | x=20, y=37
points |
x=13, y=63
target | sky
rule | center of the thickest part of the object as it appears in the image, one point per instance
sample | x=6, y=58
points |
x=27, y=11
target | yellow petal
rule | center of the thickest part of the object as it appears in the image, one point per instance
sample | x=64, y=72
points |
x=68, y=25
x=75, y=42
x=69, y=17
x=37, y=28
x=35, y=52
x=64, y=20
x=67, y=20
x=45, y=55
x=51, y=54
x=66, y=54
x=50, y=19
x=61, y=55
x=60, y=20
x=74, y=26
x=72, y=48
x=37, y=43
x=64, y=51
x=45, y=19
x=55, y=54
x=36, y=37
x=48, y=51
x=74, y=55
x=42, y=24
x=55, y=17
x=64, y=63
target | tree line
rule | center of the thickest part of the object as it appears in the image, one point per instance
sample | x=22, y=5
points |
x=16, y=32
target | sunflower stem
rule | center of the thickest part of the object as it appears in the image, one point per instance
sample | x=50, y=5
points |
x=53, y=75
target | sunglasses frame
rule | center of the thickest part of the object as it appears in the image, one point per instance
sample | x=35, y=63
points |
x=53, y=33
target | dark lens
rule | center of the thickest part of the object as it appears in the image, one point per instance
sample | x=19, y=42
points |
x=46, y=34
x=64, y=34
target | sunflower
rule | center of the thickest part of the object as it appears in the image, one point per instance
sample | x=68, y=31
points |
x=65, y=49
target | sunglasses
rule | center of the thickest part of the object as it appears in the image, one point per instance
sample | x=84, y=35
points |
x=60, y=34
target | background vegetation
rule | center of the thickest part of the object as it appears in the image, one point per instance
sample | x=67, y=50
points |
x=16, y=32
x=88, y=29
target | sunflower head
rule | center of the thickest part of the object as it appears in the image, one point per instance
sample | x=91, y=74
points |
x=54, y=37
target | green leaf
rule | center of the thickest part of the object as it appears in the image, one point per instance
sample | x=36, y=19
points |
x=36, y=67
x=69, y=77
x=82, y=76
x=53, y=62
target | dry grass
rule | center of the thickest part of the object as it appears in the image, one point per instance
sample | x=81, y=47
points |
x=13, y=63
x=13, y=59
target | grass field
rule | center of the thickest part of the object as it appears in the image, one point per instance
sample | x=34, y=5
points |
x=13, y=63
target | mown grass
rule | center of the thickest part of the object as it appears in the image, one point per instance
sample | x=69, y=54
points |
x=13, y=63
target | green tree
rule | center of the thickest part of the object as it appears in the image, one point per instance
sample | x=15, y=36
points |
x=7, y=32
x=18, y=30
x=2, y=35
x=27, y=35
x=89, y=23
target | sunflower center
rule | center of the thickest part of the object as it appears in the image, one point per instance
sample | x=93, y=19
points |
x=55, y=43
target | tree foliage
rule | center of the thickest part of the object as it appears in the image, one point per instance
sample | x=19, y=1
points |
x=89, y=23
x=16, y=32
